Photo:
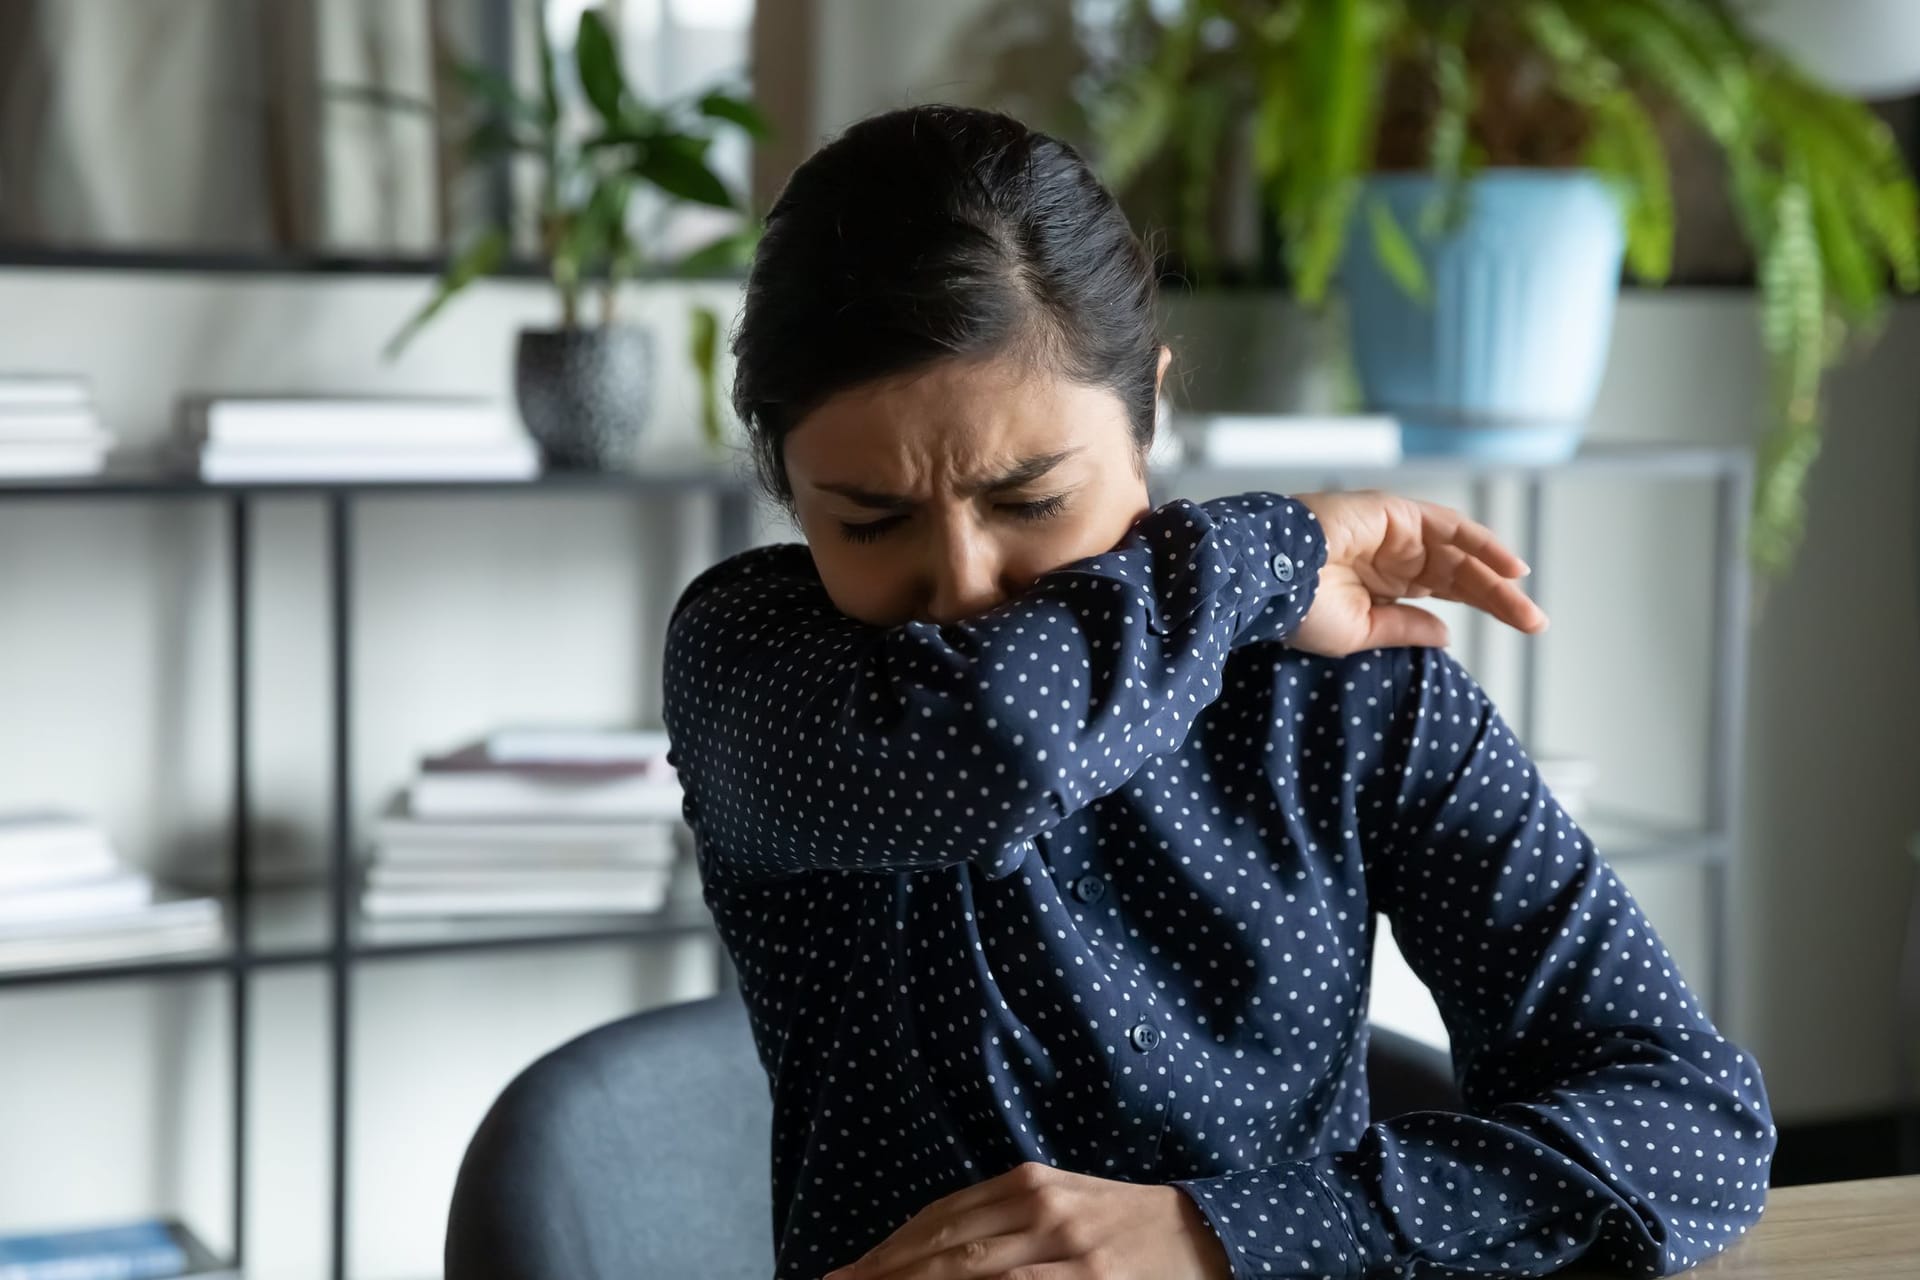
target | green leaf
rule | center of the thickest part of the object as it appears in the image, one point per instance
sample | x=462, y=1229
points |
x=1856, y=280
x=549, y=90
x=680, y=173
x=639, y=137
x=1397, y=253
x=1340, y=42
x=1272, y=122
x=1447, y=141
x=1142, y=108
x=1861, y=157
x=480, y=258
x=704, y=326
x=1137, y=131
x=599, y=65
x=1627, y=147
x=1793, y=327
x=728, y=253
x=1685, y=52
x=495, y=137
x=1793, y=300
x=1206, y=126
x=720, y=106
x=550, y=176
x=597, y=235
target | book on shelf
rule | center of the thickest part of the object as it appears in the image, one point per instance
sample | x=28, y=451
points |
x=477, y=758
x=399, y=840
x=37, y=460
x=142, y=1250
x=173, y=923
x=534, y=744
x=393, y=892
x=288, y=439
x=324, y=423
x=482, y=878
x=510, y=459
x=1289, y=439
x=47, y=847
x=521, y=795
x=44, y=391
x=48, y=428
x=112, y=893
x=470, y=784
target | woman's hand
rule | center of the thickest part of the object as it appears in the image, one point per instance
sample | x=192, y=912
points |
x=1049, y=1224
x=1382, y=547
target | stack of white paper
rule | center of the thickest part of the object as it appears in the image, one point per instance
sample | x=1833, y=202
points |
x=48, y=426
x=294, y=439
x=532, y=821
x=66, y=898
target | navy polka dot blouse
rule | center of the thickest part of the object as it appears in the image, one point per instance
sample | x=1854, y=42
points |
x=1092, y=879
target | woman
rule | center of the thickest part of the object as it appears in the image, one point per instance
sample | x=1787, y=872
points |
x=1047, y=829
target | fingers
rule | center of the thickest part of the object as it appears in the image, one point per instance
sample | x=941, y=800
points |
x=1456, y=573
x=930, y=1234
x=978, y=1211
x=1457, y=529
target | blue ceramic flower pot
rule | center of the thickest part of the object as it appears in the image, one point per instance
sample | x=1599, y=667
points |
x=1503, y=362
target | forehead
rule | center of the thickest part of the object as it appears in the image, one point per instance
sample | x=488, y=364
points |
x=949, y=421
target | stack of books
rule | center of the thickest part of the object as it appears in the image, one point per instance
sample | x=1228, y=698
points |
x=48, y=426
x=66, y=898
x=146, y=1249
x=531, y=822
x=1289, y=439
x=295, y=439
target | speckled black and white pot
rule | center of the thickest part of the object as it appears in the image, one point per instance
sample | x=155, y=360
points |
x=585, y=394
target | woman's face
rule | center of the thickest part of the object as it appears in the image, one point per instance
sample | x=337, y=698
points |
x=936, y=495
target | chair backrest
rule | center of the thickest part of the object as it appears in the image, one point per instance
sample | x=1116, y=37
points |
x=639, y=1150
x=1404, y=1074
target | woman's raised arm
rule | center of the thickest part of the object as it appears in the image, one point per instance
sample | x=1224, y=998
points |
x=809, y=741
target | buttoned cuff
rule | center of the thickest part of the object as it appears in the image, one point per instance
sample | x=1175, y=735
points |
x=1280, y=571
x=1280, y=1220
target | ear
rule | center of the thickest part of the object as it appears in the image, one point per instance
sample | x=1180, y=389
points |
x=1160, y=373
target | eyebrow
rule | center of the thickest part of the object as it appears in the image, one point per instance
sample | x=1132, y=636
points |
x=1026, y=471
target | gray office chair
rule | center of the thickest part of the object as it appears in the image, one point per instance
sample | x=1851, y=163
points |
x=639, y=1150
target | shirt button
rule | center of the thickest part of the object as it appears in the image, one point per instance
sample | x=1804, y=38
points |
x=1089, y=888
x=1283, y=566
x=1144, y=1036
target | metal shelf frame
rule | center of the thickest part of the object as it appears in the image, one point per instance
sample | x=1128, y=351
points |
x=343, y=948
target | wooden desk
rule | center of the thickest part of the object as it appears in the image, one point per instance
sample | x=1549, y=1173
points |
x=1866, y=1230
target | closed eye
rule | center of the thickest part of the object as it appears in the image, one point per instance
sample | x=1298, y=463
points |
x=1038, y=508
x=868, y=530
x=1034, y=509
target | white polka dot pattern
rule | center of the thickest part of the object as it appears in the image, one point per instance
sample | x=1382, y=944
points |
x=1092, y=879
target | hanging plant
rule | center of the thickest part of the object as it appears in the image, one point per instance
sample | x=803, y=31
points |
x=1332, y=90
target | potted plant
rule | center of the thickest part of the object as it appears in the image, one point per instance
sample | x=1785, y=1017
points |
x=583, y=388
x=1474, y=173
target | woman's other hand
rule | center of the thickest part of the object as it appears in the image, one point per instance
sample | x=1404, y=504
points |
x=1382, y=548
x=1036, y=1220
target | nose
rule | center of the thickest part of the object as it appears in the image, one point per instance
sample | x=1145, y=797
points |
x=965, y=577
